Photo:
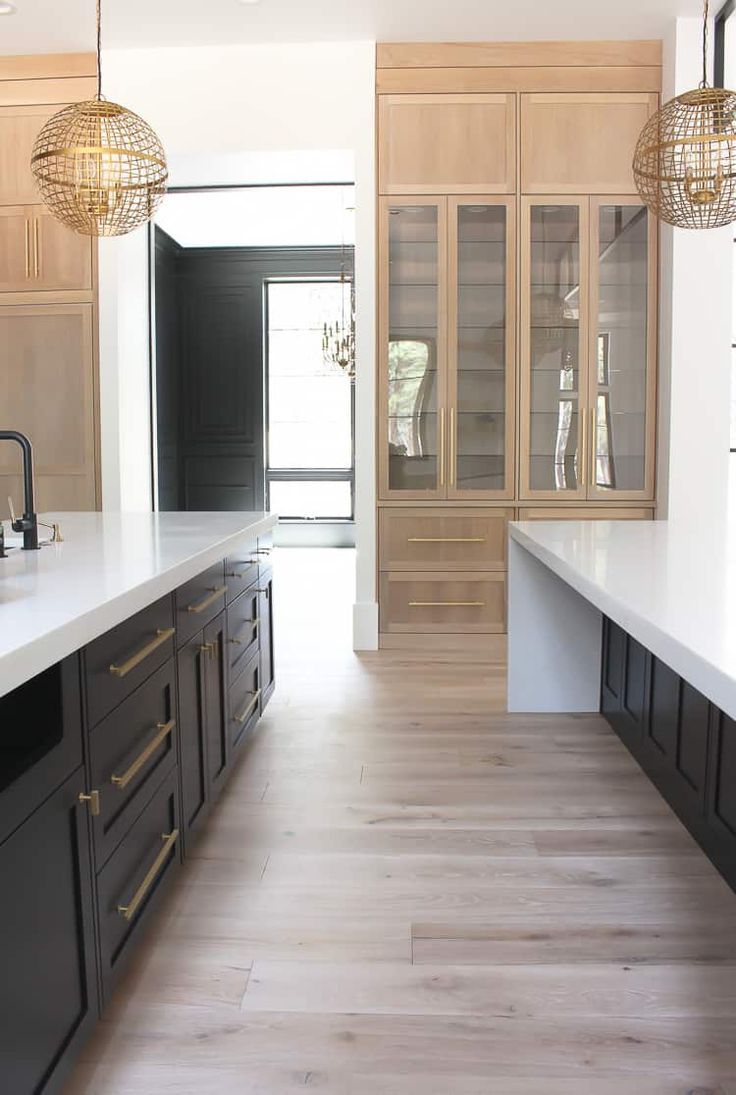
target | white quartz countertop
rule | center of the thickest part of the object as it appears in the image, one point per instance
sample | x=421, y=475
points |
x=110, y=565
x=671, y=586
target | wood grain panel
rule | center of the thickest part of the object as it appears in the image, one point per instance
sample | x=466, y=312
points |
x=19, y=128
x=47, y=66
x=54, y=92
x=443, y=602
x=445, y=80
x=517, y=54
x=437, y=539
x=583, y=513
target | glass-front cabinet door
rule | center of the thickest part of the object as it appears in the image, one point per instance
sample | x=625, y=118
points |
x=481, y=347
x=622, y=347
x=412, y=309
x=554, y=307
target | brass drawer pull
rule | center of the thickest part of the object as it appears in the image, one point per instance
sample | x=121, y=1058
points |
x=36, y=250
x=446, y=604
x=234, y=573
x=210, y=599
x=262, y=551
x=28, y=248
x=163, y=731
x=128, y=911
x=93, y=798
x=245, y=715
x=445, y=539
x=252, y=623
x=163, y=634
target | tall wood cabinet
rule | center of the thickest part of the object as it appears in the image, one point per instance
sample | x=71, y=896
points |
x=517, y=311
x=48, y=300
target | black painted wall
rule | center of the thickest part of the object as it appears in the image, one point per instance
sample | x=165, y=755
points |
x=210, y=368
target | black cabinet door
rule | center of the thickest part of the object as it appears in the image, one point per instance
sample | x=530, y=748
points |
x=266, y=634
x=721, y=794
x=625, y=679
x=48, y=996
x=215, y=685
x=192, y=660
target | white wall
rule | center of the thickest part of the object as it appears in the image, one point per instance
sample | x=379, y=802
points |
x=239, y=114
x=695, y=337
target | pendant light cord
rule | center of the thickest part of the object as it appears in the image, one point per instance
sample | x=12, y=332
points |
x=704, y=81
x=99, y=50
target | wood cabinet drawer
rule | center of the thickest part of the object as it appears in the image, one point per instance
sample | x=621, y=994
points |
x=130, y=751
x=447, y=603
x=584, y=513
x=244, y=703
x=117, y=662
x=133, y=879
x=242, y=632
x=241, y=568
x=431, y=539
x=199, y=601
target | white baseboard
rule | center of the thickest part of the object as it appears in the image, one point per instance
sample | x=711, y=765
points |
x=365, y=625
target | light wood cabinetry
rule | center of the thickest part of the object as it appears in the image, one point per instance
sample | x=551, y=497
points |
x=452, y=144
x=443, y=539
x=583, y=513
x=581, y=144
x=443, y=602
x=39, y=253
x=19, y=127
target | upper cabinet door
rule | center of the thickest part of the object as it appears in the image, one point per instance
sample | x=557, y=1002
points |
x=412, y=347
x=554, y=312
x=622, y=349
x=19, y=127
x=481, y=347
x=447, y=144
x=62, y=259
x=581, y=144
x=16, y=249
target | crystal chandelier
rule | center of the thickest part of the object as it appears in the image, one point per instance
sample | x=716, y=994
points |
x=685, y=159
x=100, y=168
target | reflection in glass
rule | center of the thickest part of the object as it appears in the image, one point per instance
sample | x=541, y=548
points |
x=554, y=347
x=620, y=404
x=481, y=348
x=412, y=350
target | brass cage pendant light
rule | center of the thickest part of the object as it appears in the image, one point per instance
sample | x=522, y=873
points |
x=100, y=168
x=685, y=158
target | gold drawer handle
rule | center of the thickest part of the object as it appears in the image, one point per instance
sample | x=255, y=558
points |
x=163, y=731
x=234, y=573
x=253, y=623
x=93, y=798
x=445, y=539
x=36, y=250
x=129, y=911
x=163, y=634
x=446, y=604
x=210, y=599
x=249, y=709
x=262, y=551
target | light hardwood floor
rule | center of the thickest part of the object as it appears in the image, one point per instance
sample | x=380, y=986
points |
x=405, y=891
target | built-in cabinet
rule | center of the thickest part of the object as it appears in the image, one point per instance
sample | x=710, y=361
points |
x=517, y=304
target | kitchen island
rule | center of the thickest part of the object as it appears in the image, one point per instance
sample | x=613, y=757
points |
x=136, y=657
x=637, y=620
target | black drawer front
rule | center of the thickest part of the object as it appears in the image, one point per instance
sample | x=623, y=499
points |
x=244, y=703
x=199, y=601
x=132, y=882
x=130, y=753
x=242, y=632
x=265, y=545
x=241, y=568
x=117, y=662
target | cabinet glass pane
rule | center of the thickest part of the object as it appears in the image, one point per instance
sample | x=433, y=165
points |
x=481, y=348
x=554, y=348
x=412, y=350
x=621, y=348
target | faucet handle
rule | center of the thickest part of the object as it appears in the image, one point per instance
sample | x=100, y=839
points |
x=11, y=507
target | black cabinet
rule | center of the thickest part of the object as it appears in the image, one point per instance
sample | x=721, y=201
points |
x=48, y=994
x=721, y=793
x=624, y=683
x=215, y=691
x=192, y=660
x=266, y=632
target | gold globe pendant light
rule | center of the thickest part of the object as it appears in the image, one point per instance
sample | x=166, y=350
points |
x=100, y=168
x=685, y=158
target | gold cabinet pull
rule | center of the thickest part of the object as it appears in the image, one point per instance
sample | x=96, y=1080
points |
x=210, y=599
x=28, y=248
x=163, y=729
x=453, y=447
x=442, y=446
x=163, y=634
x=446, y=604
x=245, y=715
x=593, y=446
x=262, y=551
x=445, y=539
x=93, y=798
x=36, y=249
x=234, y=573
x=583, y=455
x=246, y=623
x=128, y=911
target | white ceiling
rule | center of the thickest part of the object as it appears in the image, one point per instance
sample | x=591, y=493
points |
x=50, y=26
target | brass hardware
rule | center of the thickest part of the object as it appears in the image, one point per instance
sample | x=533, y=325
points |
x=207, y=648
x=583, y=453
x=93, y=798
x=164, y=729
x=56, y=537
x=245, y=715
x=128, y=911
x=446, y=604
x=262, y=551
x=593, y=445
x=442, y=446
x=28, y=248
x=234, y=573
x=162, y=635
x=453, y=447
x=445, y=539
x=210, y=599
x=253, y=623
x=36, y=250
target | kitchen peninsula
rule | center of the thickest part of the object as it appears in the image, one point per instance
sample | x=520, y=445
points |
x=136, y=657
x=637, y=620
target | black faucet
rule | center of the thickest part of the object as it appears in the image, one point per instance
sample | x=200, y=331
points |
x=28, y=523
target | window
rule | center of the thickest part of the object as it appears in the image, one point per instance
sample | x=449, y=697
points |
x=310, y=403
